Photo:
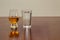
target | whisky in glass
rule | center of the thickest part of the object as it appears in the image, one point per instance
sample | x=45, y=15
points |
x=13, y=19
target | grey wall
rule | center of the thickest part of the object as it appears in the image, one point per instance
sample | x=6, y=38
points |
x=39, y=7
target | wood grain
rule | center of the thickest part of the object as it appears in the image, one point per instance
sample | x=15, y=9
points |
x=43, y=28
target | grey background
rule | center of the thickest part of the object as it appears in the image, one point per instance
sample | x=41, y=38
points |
x=38, y=7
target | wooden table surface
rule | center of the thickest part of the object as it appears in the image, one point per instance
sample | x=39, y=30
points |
x=43, y=28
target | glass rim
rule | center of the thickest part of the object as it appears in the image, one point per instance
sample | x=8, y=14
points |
x=26, y=11
x=13, y=12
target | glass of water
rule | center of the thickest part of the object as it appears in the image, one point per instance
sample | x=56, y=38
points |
x=26, y=16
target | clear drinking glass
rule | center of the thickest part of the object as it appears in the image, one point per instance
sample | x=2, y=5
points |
x=26, y=17
x=13, y=18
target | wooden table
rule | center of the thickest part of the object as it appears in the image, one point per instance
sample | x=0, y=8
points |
x=43, y=28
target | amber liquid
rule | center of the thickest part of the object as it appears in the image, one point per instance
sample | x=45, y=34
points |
x=13, y=20
x=14, y=34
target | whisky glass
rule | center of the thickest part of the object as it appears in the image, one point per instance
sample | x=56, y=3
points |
x=26, y=17
x=13, y=19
